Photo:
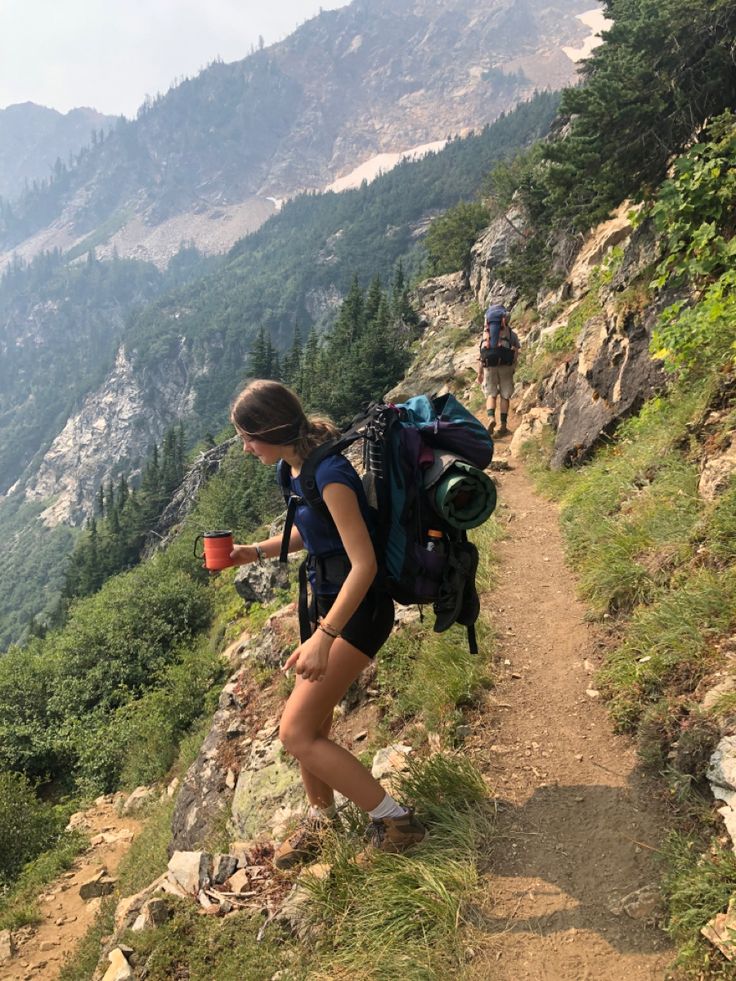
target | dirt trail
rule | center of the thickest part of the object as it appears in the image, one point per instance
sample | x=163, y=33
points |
x=576, y=823
x=66, y=917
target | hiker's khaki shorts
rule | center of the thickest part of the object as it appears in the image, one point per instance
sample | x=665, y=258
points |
x=499, y=381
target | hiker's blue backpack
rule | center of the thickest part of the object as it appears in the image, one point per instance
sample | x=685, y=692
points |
x=423, y=463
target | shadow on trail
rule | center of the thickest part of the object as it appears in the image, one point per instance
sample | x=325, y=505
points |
x=590, y=845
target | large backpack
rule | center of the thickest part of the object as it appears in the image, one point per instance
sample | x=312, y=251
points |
x=423, y=464
x=493, y=355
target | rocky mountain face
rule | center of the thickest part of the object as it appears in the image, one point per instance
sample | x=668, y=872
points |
x=212, y=158
x=605, y=372
x=33, y=138
x=113, y=428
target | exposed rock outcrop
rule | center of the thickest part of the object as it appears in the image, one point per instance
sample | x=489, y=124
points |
x=610, y=377
x=239, y=741
x=609, y=374
x=114, y=426
x=489, y=254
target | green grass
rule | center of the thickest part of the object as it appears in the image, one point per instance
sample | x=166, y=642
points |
x=718, y=534
x=697, y=886
x=200, y=948
x=399, y=916
x=675, y=635
x=19, y=906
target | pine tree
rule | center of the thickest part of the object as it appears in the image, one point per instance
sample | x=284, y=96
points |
x=259, y=362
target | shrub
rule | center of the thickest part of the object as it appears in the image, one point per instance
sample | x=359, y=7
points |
x=26, y=824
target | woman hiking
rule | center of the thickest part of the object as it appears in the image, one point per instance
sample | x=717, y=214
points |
x=350, y=619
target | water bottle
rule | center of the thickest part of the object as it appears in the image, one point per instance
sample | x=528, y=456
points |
x=434, y=540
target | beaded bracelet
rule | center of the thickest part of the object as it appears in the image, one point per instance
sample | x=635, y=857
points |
x=328, y=629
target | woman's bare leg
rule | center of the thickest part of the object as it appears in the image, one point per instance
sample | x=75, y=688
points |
x=319, y=794
x=303, y=732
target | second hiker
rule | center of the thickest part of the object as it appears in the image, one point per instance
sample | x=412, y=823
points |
x=498, y=356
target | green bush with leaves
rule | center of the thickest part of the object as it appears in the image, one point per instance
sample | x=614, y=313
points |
x=695, y=213
x=27, y=825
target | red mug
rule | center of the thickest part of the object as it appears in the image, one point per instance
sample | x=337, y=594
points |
x=217, y=548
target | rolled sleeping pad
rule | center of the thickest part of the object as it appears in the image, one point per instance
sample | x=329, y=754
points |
x=461, y=494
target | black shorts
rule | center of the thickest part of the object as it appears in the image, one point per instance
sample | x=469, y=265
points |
x=368, y=628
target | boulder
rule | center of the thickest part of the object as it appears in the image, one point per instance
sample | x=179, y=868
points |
x=138, y=799
x=721, y=775
x=223, y=867
x=154, y=914
x=721, y=772
x=717, y=473
x=260, y=794
x=78, y=822
x=715, y=694
x=99, y=885
x=530, y=427
x=390, y=761
x=191, y=870
x=258, y=582
x=119, y=969
x=7, y=947
x=128, y=908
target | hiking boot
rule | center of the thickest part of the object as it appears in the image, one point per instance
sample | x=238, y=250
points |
x=504, y=430
x=393, y=835
x=490, y=427
x=305, y=843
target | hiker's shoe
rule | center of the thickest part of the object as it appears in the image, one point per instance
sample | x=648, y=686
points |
x=393, y=835
x=503, y=431
x=305, y=843
x=490, y=427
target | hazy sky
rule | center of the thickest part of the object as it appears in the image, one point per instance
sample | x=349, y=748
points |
x=110, y=54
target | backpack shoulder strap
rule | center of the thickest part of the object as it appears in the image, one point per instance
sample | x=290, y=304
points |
x=308, y=483
x=283, y=474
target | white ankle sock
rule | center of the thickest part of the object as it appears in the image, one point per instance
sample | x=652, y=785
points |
x=388, y=808
x=324, y=813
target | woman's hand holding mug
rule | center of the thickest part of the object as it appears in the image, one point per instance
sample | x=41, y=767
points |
x=243, y=554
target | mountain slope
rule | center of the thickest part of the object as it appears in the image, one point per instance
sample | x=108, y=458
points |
x=352, y=83
x=33, y=138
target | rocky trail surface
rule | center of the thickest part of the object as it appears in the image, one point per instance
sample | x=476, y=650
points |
x=69, y=905
x=571, y=886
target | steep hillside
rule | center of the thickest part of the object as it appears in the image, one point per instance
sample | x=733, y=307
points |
x=209, y=160
x=186, y=354
x=34, y=140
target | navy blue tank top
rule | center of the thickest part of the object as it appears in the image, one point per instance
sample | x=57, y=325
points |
x=317, y=529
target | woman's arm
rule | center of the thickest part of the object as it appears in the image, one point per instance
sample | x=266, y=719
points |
x=270, y=549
